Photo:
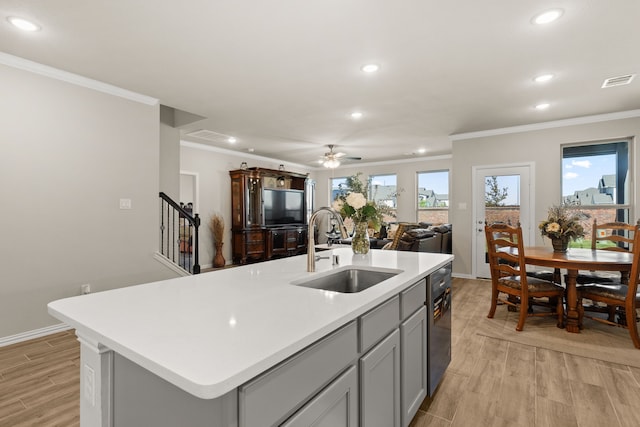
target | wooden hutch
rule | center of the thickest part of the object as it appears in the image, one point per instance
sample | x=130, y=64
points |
x=270, y=210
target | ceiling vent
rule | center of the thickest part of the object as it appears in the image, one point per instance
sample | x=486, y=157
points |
x=209, y=135
x=618, y=81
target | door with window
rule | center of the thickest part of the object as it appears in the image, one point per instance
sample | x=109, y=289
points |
x=501, y=194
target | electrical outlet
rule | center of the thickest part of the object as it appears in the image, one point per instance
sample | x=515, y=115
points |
x=90, y=385
x=85, y=289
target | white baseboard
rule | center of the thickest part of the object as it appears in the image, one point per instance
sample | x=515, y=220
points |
x=463, y=276
x=170, y=265
x=36, y=333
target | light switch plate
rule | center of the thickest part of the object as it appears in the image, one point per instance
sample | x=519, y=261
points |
x=125, y=203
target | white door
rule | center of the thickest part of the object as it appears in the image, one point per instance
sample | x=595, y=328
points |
x=501, y=194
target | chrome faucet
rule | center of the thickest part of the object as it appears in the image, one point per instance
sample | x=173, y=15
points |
x=311, y=251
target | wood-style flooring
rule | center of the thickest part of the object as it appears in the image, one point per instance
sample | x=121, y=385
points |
x=40, y=382
x=490, y=382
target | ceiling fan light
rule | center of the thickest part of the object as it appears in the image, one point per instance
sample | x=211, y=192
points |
x=331, y=163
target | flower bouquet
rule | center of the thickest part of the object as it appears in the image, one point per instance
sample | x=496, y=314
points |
x=563, y=223
x=364, y=213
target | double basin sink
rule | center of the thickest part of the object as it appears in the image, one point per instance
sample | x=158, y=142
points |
x=350, y=280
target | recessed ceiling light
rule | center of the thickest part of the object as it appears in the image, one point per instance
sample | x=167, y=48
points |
x=543, y=78
x=251, y=150
x=542, y=106
x=370, y=68
x=232, y=140
x=356, y=115
x=422, y=150
x=547, y=17
x=23, y=24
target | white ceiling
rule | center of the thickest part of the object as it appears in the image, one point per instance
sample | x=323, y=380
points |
x=283, y=76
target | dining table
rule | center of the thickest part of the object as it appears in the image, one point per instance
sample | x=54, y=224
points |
x=575, y=259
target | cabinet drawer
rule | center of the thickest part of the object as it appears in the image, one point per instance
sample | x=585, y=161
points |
x=255, y=248
x=413, y=298
x=268, y=398
x=254, y=236
x=377, y=323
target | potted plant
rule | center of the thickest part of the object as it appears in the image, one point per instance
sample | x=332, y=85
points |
x=563, y=224
x=216, y=224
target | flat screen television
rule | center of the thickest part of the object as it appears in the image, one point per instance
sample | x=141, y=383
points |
x=283, y=207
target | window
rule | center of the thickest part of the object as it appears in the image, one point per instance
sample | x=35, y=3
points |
x=383, y=191
x=433, y=197
x=338, y=187
x=596, y=178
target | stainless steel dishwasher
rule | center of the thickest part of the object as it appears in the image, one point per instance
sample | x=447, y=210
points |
x=439, y=325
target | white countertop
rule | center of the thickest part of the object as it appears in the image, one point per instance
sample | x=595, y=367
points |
x=210, y=333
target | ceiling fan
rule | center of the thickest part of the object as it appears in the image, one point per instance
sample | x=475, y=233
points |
x=331, y=160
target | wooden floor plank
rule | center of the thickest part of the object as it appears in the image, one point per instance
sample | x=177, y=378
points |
x=490, y=382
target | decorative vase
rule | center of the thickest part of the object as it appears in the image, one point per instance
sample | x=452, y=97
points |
x=360, y=239
x=560, y=245
x=218, y=259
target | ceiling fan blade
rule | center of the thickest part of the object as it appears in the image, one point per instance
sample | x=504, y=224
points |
x=351, y=158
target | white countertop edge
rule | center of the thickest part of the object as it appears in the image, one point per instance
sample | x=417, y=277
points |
x=217, y=389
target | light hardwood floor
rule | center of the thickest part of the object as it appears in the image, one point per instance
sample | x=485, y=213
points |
x=490, y=382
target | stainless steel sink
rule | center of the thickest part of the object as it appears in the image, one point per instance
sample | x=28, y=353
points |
x=349, y=280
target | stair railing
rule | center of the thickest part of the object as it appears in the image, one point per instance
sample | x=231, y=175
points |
x=179, y=235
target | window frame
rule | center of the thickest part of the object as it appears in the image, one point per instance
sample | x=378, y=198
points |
x=624, y=211
x=417, y=193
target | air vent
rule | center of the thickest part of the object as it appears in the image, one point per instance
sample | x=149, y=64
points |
x=209, y=135
x=618, y=81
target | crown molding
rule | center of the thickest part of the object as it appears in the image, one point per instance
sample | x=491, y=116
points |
x=394, y=162
x=547, y=125
x=76, y=79
x=239, y=154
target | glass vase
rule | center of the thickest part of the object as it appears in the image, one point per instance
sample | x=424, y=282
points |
x=360, y=239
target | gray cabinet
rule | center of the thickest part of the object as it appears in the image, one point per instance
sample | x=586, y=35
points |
x=335, y=406
x=273, y=396
x=380, y=384
x=413, y=339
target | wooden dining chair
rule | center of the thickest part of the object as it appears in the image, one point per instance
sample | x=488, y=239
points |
x=610, y=236
x=624, y=297
x=509, y=276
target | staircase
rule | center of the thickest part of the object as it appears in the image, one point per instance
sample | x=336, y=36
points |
x=179, y=235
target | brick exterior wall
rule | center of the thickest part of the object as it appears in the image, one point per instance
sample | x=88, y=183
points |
x=511, y=215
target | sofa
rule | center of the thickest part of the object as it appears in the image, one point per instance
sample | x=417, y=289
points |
x=422, y=237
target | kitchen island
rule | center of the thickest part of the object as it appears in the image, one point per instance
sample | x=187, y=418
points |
x=234, y=347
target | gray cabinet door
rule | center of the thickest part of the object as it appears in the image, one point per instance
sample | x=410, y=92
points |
x=413, y=339
x=380, y=384
x=335, y=406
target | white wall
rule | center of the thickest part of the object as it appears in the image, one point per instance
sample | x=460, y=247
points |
x=543, y=148
x=67, y=155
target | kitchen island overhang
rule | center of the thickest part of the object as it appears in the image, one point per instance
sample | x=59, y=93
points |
x=207, y=334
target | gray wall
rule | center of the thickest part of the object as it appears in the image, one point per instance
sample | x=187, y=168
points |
x=67, y=155
x=543, y=148
x=169, y=154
